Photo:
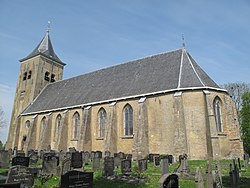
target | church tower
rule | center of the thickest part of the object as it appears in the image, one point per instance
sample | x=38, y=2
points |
x=40, y=68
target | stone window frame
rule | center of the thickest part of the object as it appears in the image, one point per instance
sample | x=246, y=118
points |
x=27, y=124
x=42, y=126
x=25, y=76
x=58, y=124
x=128, y=121
x=29, y=75
x=102, y=120
x=217, y=104
x=76, y=125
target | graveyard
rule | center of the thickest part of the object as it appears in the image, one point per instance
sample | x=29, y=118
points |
x=48, y=168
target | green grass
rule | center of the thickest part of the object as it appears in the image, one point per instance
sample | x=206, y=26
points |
x=152, y=176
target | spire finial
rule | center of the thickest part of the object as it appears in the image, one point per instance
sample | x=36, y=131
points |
x=48, y=27
x=183, y=41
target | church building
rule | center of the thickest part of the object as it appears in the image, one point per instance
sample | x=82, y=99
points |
x=163, y=103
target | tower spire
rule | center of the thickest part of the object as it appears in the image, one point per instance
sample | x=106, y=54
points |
x=183, y=41
x=48, y=27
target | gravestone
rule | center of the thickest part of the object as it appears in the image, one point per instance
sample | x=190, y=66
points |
x=129, y=156
x=33, y=158
x=66, y=166
x=117, y=161
x=142, y=165
x=4, y=159
x=76, y=160
x=157, y=160
x=121, y=155
x=126, y=165
x=72, y=149
x=68, y=155
x=62, y=155
x=170, y=159
x=41, y=153
x=96, y=163
x=99, y=154
x=50, y=165
x=246, y=160
x=23, y=161
x=199, y=183
x=209, y=178
x=20, y=174
x=164, y=166
x=183, y=166
x=108, y=166
x=151, y=157
x=92, y=155
x=217, y=183
x=77, y=179
x=86, y=158
x=15, y=151
x=107, y=154
x=169, y=180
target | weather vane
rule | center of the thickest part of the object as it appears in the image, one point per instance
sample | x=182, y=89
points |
x=48, y=27
x=183, y=41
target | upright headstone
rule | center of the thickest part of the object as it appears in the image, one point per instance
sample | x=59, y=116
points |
x=33, y=158
x=86, y=157
x=50, y=165
x=142, y=165
x=199, y=183
x=76, y=160
x=23, y=161
x=117, y=161
x=169, y=180
x=4, y=159
x=126, y=166
x=99, y=154
x=183, y=166
x=96, y=163
x=121, y=155
x=20, y=174
x=107, y=154
x=246, y=159
x=216, y=179
x=157, y=160
x=108, y=166
x=77, y=179
x=66, y=166
x=164, y=166
x=209, y=178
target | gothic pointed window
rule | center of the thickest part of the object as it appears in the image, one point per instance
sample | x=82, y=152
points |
x=128, y=120
x=52, y=79
x=76, y=125
x=57, y=127
x=42, y=127
x=217, y=114
x=102, y=122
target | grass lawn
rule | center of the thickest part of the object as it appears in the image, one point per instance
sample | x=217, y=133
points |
x=152, y=176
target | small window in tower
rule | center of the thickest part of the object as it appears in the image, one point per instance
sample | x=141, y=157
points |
x=52, y=78
x=29, y=76
x=46, y=76
x=25, y=76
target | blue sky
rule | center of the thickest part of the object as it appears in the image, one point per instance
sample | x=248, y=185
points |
x=93, y=34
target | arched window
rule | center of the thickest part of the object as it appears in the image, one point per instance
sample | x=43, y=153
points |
x=27, y=124
x=76, y=124
x=57, y=126
x=128, y=120
x=29, y=76
x=52, y=79
x=46, y=76
x=217, y=114
x=42, y=128
x=102, y=122
x=25, y=76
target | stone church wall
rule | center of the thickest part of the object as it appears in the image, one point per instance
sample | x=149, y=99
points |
x=176, y=123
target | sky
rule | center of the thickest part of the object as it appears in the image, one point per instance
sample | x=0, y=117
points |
x=93, y=34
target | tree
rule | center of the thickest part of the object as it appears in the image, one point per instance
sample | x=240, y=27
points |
x=236, y=90
x=245, y=121
x=2, y=119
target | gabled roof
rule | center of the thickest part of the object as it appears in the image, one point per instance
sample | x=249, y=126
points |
x=44, y=48
x=166, y=72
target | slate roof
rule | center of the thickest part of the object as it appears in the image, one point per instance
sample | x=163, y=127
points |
x=169, y=71
x=44, y=48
